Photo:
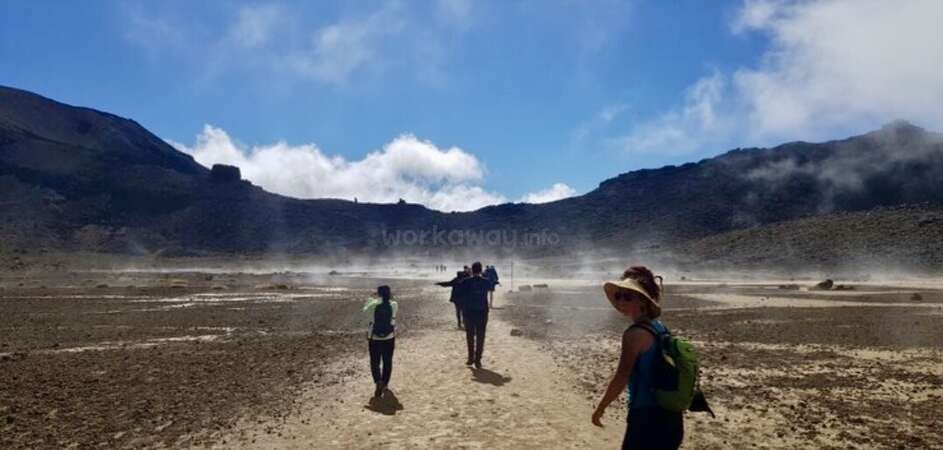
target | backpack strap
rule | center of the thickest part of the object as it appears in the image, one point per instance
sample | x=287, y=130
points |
x=659, y=338
x=647, y=326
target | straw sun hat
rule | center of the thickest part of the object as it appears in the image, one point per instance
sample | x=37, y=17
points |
x=630, y=284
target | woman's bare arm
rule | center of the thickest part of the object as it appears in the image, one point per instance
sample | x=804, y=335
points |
x=633, y=343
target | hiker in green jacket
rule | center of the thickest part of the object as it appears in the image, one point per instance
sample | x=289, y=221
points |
x=649, y=426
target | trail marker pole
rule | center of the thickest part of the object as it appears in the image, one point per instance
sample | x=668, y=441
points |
x=512, y=275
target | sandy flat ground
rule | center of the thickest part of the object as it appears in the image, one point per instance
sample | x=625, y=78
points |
x=519, y=400
x=782, y=369
x=277, y=360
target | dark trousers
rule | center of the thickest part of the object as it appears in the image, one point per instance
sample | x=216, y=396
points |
x=381, y=351
x=653, y=428
x=475, y=324
x=458, y=314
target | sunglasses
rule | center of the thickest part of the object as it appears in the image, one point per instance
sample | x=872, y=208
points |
x=625, y=296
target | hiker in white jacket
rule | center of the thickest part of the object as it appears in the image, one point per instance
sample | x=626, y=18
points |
x=381, y=338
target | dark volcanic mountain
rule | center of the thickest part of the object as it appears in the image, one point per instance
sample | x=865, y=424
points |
x=79, y=179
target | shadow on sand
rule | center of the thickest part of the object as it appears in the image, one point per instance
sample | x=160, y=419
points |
x=489, y=377
x=388, y=404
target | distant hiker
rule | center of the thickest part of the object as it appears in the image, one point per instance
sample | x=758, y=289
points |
x=473, y=292
x=636, y=296
x=492, y=275
x=381, y=338
x=454, y=296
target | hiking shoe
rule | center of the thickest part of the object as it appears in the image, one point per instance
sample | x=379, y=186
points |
x=469, y=362
x=378, y=392
x=477, y=364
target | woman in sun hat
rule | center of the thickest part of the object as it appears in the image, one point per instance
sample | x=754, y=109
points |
x=636, y=295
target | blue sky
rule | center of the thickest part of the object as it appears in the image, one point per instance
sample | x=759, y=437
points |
x=460, y=103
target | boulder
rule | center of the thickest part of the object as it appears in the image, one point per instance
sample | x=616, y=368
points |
x=824, y=285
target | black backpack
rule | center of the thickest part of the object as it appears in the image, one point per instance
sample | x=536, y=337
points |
x=383, y=320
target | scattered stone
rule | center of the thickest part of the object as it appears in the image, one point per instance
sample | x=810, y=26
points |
x=824, y=285
x=525, y=288
x=789, y=287
x=916, y=297
x=541, y=286
x=516, y=332
x=15, y=356
x=102, y=285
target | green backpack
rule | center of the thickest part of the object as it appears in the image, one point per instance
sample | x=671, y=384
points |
x=676, y=377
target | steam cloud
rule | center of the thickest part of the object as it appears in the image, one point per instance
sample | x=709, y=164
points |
x=847, y=168
x=406, y=168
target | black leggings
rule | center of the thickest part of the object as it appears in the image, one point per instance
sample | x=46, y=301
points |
x=653, y=428
x=458, y=313
x=475, y=324
x=381, y=350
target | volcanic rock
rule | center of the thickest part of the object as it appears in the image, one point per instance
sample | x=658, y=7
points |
x=222, y=173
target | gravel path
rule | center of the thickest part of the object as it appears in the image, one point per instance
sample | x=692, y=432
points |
x=521, y=399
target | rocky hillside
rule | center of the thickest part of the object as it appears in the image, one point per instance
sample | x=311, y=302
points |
x=78, y=179
x=880, y=241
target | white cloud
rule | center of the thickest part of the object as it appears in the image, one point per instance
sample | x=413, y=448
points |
x=837, y=62
x=276, y=39
x=556, y=192
x=682, y=130
x=611, y=112
x=341, y=48
x=597, y=23
x=832, y=66
x=455, y=12
x=447, y=179
x=154, y=33
x=255, y=25
x=755, y=14
x=600, y=121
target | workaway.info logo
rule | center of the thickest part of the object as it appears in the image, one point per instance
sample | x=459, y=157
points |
x=440, y=237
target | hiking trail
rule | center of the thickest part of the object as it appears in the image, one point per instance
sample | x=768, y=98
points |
x=520, y=399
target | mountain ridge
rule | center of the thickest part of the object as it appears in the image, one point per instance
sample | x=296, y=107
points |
x=85, y=180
